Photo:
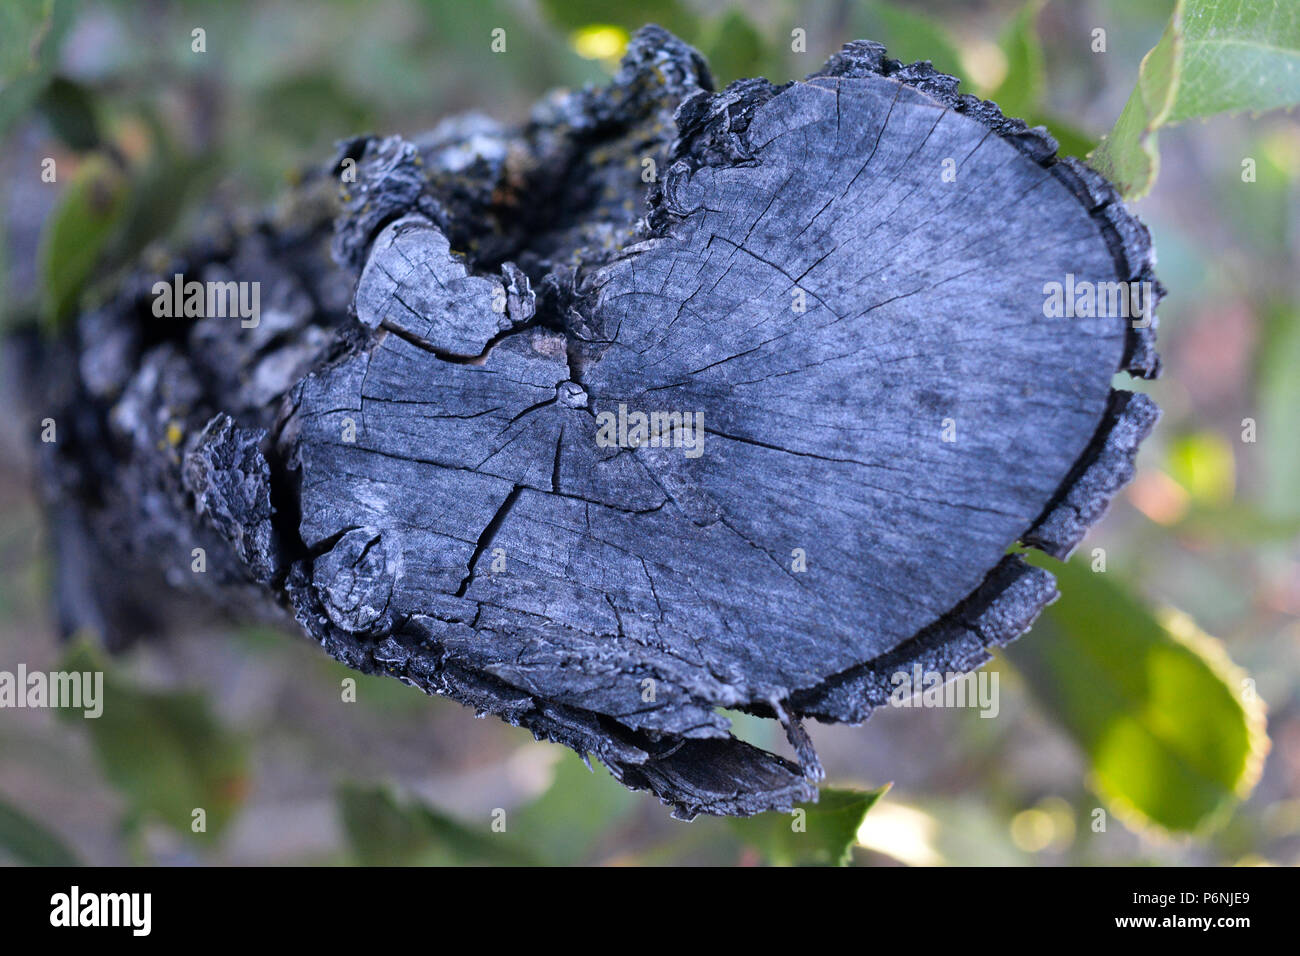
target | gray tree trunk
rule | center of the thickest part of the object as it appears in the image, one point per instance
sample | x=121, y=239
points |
x=831, y=291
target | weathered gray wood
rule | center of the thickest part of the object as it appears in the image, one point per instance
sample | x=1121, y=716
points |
x=420, y=483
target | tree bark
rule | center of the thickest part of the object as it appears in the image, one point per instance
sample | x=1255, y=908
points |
x=843, y=277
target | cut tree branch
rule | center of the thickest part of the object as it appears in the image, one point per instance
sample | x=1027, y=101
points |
x=839, y=281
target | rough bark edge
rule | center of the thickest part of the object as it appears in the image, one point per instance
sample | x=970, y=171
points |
x=1104, y=468
x=1003, y=607
x=718, y=776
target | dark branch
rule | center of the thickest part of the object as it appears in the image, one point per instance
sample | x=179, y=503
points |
x=802, y=291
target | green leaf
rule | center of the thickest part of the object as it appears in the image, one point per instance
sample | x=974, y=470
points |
x=385, y=831
x=1071, y=141
x=907, y=36
x=71, y=111
x=26, y=841
x=165, y=752
x=580, y=806
x=735, y=49
x=31, y=32
x=1238, y=55
x=161, y=190
x=1174, y=733
x=1202, y=463
x=814, y=834
x=1021, y=91
x=1215, y=56
x=311, y=108
x=76, y=234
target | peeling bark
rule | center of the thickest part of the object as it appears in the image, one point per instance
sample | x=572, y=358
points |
x=403, y=456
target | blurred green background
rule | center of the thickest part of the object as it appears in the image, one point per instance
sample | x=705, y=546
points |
x=1131, y=719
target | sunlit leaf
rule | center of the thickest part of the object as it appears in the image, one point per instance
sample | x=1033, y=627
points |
x=23, y=840
x=385, y=831
x=1172, y=729
x=814, y=834
x=910, y=835
x=1216, y=56
x=165, y=752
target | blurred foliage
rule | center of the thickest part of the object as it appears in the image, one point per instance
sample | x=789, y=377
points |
x=735, y=49
x=1216, y=56
x=677, y=16
x=1279, y=400
x=25, y=841
x=560, y=827
x=1021, y=91
x=70, y=109
x=907, y=36
x=1202, y=463
x=558, y=832
x=31, y=33
x=568, y=821
x=386, y=831
x=165, y=752
x=113, y=208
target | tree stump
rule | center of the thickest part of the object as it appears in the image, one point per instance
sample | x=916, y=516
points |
x=663, y=402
